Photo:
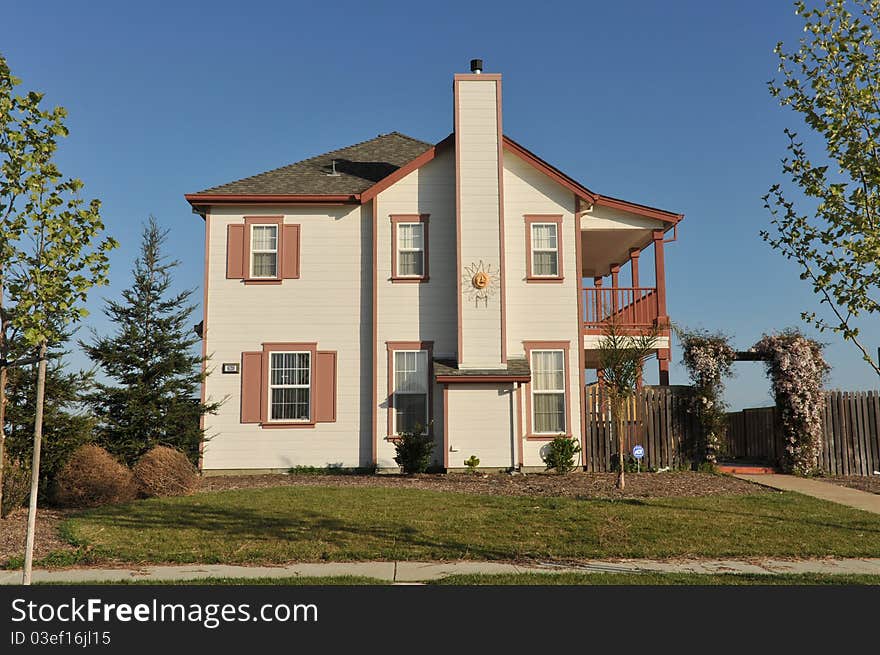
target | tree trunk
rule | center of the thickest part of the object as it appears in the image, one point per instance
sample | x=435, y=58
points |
x=4, y=349
x=618, y=428
x=35, y=468
x=2, y=432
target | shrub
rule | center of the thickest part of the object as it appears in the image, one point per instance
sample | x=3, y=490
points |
x=164, y=471
x=414, y=450
x=92, y=477
x=16, y=485
x=560, y=454
x=472, y=463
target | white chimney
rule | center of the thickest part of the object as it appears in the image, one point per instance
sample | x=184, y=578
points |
x=479, y=202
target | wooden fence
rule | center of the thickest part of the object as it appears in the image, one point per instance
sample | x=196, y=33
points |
x=850, y=441
x=657, y=419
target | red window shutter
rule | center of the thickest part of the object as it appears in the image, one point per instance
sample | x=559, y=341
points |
x=325, y=387
x=290, y=252
x=235, y=252
x=251, y=387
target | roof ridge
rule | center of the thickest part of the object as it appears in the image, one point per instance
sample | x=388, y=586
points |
x=313, y=157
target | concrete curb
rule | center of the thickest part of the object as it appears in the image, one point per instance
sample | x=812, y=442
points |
x=409, y=572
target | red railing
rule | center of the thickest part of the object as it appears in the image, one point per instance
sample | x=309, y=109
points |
x=630, y=307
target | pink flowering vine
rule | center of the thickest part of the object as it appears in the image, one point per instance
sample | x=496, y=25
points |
x=708, y=358
x=797, y=371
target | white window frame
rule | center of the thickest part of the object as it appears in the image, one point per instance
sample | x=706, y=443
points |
x=555, y=250
x=561, y=392
x=410, y=393
x=401, y=249
x=274, y=251
x=271, y=386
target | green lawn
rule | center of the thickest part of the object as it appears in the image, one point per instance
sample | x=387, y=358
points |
x=286, y=524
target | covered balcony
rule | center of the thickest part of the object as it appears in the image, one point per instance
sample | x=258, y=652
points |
x=617, y=240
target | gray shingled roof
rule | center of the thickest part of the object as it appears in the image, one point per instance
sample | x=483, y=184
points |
x=358, y=168
x=515, y=366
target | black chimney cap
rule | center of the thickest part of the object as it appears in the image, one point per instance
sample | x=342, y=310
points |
x=476, y=65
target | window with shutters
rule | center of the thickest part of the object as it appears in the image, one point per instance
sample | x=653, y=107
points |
x=409, y=250
x=544, y=248
x=290, y=386
x=264, y=251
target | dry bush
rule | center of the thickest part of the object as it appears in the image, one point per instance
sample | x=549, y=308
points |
x=93, y=477
x=16, y=486
x=164, y=471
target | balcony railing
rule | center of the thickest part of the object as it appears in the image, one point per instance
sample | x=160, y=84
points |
x=629, y=307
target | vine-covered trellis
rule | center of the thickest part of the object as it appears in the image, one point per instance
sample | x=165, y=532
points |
x=797, y=372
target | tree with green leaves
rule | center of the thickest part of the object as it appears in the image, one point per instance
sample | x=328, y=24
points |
x=28, y=140
x=833, y=81
x=56, y=256
x=621, y=358
x=152, y=360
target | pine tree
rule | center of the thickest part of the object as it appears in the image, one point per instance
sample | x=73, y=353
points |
x=65, y=425
x=152, y=359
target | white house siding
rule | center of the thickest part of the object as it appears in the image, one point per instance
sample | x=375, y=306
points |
x=540, y=311
x=329, y=304
x=417, y=312
x=477, y=137
x=482, y=422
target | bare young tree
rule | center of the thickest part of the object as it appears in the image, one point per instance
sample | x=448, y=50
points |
x=622, y=356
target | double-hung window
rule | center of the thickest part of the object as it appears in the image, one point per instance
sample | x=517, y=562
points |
x=410, y=391
x=264, y=251
x=290, y=386
x=548, y=391
x=409, y=256
x=411, y=250
x=545, y=250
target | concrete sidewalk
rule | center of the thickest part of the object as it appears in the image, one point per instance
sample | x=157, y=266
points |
x=818, y=489
x=403, y=572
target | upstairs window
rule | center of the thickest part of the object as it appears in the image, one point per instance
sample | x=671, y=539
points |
x=409, y=248
x=264, y=251
x=544, y=248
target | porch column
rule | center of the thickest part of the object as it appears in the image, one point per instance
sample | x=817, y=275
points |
x=634, y=265
x=663, y=366
x=597, y=282
x=660, y=277
x=615, y=280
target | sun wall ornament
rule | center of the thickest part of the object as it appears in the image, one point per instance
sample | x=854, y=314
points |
x=480, y=282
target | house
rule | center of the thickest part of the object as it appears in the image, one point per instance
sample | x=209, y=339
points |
x=395, y=283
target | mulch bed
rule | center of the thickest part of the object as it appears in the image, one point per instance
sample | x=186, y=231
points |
x=572, y=485
x=861, y=482
x=13, y=529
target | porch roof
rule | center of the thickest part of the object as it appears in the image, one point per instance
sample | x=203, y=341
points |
x=447, y=371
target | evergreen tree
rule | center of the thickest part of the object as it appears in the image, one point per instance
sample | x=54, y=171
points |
x=65, y=424
x=152, y=359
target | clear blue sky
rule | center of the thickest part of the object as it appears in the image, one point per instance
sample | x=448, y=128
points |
x=663, y=103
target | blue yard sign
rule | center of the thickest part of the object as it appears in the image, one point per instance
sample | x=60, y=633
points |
x=638, y=453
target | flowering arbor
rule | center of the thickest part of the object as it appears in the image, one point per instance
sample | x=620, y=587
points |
x=797, y=372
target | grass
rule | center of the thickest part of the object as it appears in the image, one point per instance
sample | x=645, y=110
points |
x=725, y=579
x=546, y=579
x=285, y=524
